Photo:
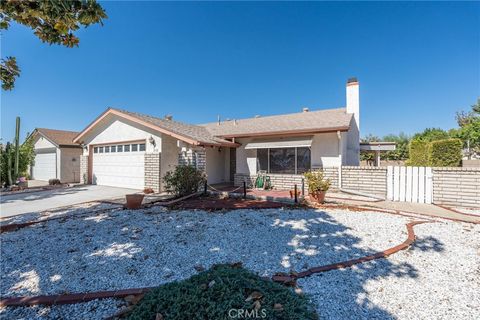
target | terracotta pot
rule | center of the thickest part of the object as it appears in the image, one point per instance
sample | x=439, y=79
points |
x=319, y=196
x=134, y=201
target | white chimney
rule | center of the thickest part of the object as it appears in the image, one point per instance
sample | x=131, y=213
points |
x=353, y=99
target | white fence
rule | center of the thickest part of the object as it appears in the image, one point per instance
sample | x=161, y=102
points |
x=410, y=184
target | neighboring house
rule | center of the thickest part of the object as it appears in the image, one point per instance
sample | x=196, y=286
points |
x=56, y=155
x=128, y=149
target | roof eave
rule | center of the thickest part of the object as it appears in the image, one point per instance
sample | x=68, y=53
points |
x=136, y=120
x=286, y=132
x=36, y=131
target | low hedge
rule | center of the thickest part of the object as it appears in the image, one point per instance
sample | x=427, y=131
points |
x=223, y=292
x=445, y=153
x=438, y=153
x=418, y=153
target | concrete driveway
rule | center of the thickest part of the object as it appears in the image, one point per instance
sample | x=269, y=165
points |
x=14, y=204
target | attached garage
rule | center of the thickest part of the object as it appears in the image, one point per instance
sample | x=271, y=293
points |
x=119, y=165
x=56, y=156
x=45, y=166
x=130, y=150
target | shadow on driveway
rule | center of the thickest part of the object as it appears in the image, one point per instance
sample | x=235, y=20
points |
x=14, y=204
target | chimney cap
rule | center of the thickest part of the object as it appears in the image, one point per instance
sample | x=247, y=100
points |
x=305, y=109
x=352, y=80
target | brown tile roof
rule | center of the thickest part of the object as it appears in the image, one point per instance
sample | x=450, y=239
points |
x=313, y=121
x=193, y=132
x=59, y=137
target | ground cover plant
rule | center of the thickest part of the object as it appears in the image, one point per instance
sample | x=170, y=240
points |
x=223, y=292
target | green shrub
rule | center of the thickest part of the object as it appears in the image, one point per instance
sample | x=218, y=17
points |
x=214, y=293
x=184, y=180
x=445, y=153
x=316, y=181
x=418, y=153
x=438, y=153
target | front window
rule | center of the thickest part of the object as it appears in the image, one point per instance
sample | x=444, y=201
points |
x=284, y=160
x=303, y=160
x=134, y=147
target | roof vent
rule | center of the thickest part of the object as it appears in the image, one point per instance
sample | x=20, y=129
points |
x=257, y=116
x=168, y=117
x=305, y=109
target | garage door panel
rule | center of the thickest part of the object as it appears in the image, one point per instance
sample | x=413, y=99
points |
x=45, y=166
x=119, y=170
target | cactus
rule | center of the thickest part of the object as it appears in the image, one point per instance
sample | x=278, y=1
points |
x=9, y=164
x=17, y=147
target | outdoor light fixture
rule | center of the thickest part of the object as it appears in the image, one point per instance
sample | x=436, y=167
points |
x=152, y=141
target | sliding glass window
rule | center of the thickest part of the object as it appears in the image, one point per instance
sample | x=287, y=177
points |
x=284, y=160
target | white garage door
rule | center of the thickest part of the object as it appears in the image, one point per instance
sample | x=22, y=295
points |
x=119, y=166
x=45, y=166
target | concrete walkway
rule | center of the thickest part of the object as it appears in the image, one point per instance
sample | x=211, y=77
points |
x=418, y=208
x=21, y=203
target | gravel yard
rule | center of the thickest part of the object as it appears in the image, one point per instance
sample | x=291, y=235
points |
x=121, y=249
x=437, y=278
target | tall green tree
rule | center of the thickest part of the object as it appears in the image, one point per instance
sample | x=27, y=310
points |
x=469, y=128
x=431, y=134
x=52, y=21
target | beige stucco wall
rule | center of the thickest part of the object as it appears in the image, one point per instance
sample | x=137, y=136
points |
x=216, y=164
x=115, y=129
x=42, y=143
x=70, y=170
x=325, y=150
x=246, y=159
x=325, y=153
x=169, y=155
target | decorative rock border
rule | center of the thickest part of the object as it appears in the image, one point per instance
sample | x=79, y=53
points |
x=287, y=279
x=291, y=278
x=70, y=298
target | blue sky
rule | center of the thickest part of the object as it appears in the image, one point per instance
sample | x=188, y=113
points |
x=417, y=63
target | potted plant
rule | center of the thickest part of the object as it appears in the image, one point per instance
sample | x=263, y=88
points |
x=317, y=185
x=134, y=201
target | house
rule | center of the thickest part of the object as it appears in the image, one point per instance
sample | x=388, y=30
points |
x=127, y=149
x=56, y=155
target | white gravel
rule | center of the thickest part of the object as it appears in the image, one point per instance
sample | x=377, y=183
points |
x=438, y=278
x=125, y=249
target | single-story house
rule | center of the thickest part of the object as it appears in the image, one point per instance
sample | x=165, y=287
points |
x=56, y=155
x=127, y=149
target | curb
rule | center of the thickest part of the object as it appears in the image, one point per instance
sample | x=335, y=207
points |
x=281, y=278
